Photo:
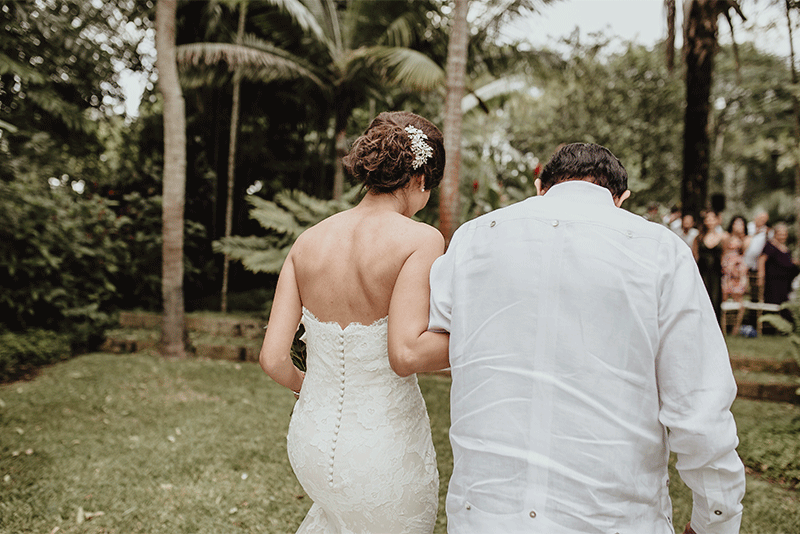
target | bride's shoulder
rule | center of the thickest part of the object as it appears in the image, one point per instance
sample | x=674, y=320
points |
x=422, y=235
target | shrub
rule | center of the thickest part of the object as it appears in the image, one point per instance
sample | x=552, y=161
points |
x=60, y=256
x=20, y=353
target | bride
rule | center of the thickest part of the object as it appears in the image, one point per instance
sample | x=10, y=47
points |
x=359, y=439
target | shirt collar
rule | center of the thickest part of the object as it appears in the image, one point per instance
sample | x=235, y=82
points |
x=581, y=191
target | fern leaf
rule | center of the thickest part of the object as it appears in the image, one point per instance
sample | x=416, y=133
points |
x=267, y=261
x=778, y=323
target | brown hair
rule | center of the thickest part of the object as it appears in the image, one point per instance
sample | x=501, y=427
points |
x=382, y=157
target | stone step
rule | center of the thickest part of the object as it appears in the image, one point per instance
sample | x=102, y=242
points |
x=218, y=326
x=770, y=392
x=786, y=367
x=202, y=345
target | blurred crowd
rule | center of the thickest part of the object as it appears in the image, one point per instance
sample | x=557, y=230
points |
x=741, y=261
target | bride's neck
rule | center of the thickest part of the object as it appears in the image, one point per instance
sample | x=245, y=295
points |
x=384, y=201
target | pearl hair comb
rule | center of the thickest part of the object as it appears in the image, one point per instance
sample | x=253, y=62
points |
x=422, y=150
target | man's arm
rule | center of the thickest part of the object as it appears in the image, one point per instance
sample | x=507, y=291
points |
x=696, y=389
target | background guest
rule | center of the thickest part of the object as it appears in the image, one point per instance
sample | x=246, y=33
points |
x=674, y=219
x=776, y=269
x=738, y=227
x=687, y=231
x=758, y=230
x=707, y=249
x=734, y=275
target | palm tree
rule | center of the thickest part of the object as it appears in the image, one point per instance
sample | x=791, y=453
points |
x=456, y=72
x=699, y=46
x=173, y=331
x=367, y=46
x=257, y=60
x=237, y=87
x=795, y=107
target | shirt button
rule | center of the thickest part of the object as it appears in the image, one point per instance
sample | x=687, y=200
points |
x=718, y=512
x=532, y=514
x=468, y=507
x=493, y=223
x=555, y=223
x=629, y=233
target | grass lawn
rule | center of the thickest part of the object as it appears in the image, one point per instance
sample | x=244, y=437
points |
x=773, y=347
x=123, y=444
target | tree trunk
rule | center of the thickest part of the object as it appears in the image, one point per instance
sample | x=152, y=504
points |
x=237, y=86
x=341, y=152
x=699, y=46
x=669, y=5
x=796, y=113
x=173, y=331
x=449, y=194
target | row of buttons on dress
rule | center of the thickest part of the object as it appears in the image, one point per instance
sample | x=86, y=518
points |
x=338, y=423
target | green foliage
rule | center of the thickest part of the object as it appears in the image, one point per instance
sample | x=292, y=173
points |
x=626, y=101
x=284, y=218
x=60, y=258
x=495, y=172
x=59, y=65
x=21, y=353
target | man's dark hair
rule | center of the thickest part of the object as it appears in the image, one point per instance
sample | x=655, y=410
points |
x=586, y=161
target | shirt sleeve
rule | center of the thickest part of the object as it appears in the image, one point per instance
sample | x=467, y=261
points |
x=441, y=279
x=696, y=389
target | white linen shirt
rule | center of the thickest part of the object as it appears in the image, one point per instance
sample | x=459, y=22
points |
x=583, y=349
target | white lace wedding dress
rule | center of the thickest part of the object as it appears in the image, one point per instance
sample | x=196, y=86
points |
x=359, y=440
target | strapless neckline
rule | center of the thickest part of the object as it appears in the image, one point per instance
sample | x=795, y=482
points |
x=377, y=322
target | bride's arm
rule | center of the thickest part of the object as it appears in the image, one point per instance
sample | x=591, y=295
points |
x=412, y=348
x=275, y=357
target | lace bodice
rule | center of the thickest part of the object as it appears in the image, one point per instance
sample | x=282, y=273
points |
x=359, y=440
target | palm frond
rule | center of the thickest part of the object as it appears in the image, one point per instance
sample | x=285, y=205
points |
x=402, y=30
x=25, y=72
x=8, y=127
x=256, y=64
x=70, y=114
x=272, y=217
x=404, y=66
x=306, y=209
x=257, y=43
x=303, y=15
x=267, y=261
x=257, y=254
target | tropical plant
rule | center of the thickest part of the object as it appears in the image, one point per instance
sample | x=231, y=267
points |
x=362, y=48
x=258, y=60
x=284, y=219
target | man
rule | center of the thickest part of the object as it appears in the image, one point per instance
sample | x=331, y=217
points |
x=687, y=232
x=583, y=348
x=759, y=231
x=674, y=219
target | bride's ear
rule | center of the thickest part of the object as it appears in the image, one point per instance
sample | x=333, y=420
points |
x=418, y=182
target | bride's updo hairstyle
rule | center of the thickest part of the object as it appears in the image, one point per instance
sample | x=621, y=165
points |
x=396, y=146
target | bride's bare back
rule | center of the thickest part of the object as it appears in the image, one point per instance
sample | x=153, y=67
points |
x=347, y=265
x=344, y=269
